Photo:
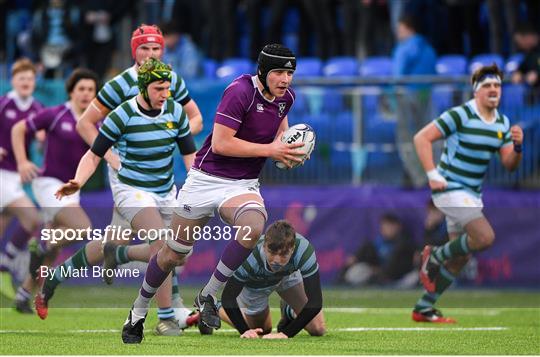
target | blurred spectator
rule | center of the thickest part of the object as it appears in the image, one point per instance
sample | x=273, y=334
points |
x=222, y=38
x=55, y=36
x=323, y=18
x=98, y=18
x=351, y=27
x=413, y=55
x=463, y=17
x=188, y=15
x=383, y=260
x=528, y=42
x=180, y=52
x=375, y=32
x=254, y=11
x=278, y=12
x=503, y=16
x=435, y=232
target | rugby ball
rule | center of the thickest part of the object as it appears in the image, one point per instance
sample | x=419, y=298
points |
x=296, y=134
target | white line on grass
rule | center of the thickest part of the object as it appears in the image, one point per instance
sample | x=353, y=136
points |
x=346, y=329
x=392, y=311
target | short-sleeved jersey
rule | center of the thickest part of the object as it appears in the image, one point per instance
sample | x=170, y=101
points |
x=146, y=144
x=256, y=119
x=469, y=146
x=124, y=87
x=256, y=274
x=13, y=110
x=64, y=146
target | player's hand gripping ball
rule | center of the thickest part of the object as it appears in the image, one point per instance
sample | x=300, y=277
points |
x=299, y=133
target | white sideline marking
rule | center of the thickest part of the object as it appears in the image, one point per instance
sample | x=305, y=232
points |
x=392, y=311
x=346, y=329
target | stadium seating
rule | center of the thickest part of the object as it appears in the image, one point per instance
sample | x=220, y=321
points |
x=376, y=67
x=234, y=67
x=451, y=65
x=513, y=63
x=341, y=66
x=485, y=59
x=209, y=68
x=308, y=66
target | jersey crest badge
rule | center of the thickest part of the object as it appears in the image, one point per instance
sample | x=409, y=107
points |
x=281, y=109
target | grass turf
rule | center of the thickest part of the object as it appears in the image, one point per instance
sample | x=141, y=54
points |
x=82, y=320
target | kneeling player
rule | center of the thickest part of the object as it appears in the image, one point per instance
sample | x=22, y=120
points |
x=285, y=262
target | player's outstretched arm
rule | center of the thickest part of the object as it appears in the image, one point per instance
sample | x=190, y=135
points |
x=86, y=127
x=511, y=154
x=27, y=169
x=312, y=287
x=87, y=166
x=195, y=117
x=228, y=299
x=423, y=143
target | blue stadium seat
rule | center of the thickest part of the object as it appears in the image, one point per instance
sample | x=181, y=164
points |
x=513, y=63
x=513, y=99
x=308, y=66
x=300, y=106
x=442, y=98
x=332, y=101
x=234, y=67
x=209, y=68
x=486, y=59
x=451, y=65
x=341, y=66
x=344, y=126
x=376, y=66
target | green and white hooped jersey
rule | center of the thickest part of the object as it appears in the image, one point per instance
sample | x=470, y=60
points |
x=256, y=274
x=469, y=146
x=145, y=144
x=124, y=87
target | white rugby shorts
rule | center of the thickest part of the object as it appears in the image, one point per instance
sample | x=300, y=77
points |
x=44, y=189
x=460, y=207
x=10, y=188
x=255, y=301
x=202, y=193
x=130, y=200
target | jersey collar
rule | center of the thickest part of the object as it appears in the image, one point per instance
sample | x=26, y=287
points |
x=472, y=104
x=22, y=104
x=256, y=86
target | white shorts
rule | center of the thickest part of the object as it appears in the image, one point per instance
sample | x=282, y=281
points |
x=117, y=219
x=460, y=207
x=44, y=189
x=255, y=301
x=10, y=188
x=130, y=200
x=202, y=193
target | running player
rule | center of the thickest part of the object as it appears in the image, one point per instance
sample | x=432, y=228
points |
x=285, y=262
x=146, y=41
x=59, y=164
x=146, y=130
x=248, y=127
x=15, y=106
x=473, y=133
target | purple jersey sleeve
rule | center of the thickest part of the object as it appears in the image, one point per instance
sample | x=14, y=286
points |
x=42, y=120
x=232, y=107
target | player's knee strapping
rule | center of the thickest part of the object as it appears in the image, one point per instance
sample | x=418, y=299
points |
x=179, y=246
x=250, y=206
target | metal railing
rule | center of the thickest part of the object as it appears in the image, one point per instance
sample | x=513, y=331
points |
x=365, y=127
